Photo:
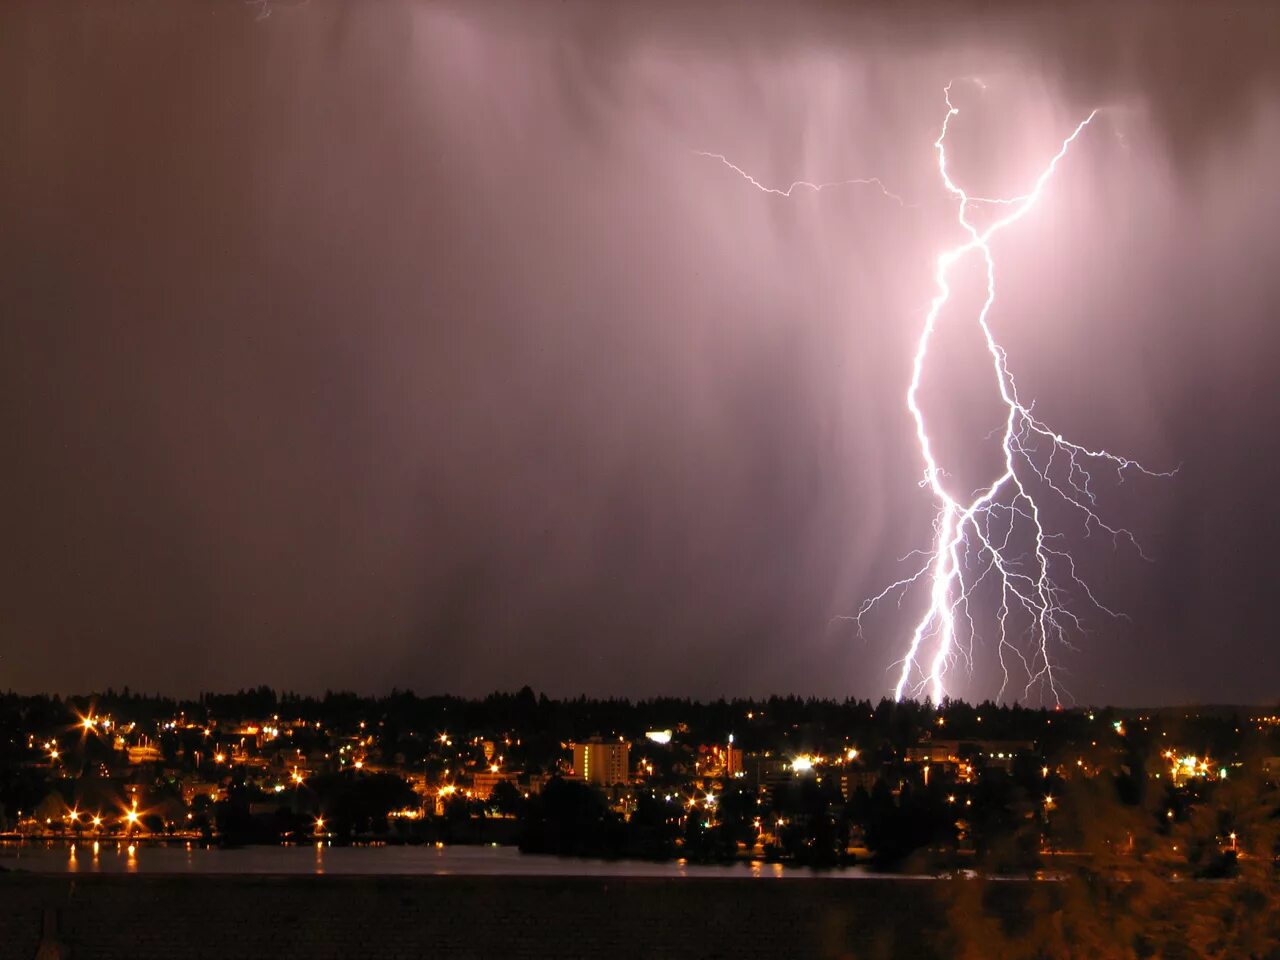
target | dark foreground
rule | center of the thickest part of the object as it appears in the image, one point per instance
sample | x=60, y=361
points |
x=462, y=918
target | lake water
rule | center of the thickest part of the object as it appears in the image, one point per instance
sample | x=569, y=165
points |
x=117, y=857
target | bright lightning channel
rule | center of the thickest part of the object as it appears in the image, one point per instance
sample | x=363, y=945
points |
x=976, y=532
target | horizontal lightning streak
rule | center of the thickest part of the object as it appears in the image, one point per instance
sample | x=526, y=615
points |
x=798, y=184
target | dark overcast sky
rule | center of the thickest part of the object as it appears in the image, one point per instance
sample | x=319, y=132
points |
x=411, y=344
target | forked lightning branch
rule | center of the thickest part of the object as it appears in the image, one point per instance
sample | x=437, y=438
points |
x=996, y=538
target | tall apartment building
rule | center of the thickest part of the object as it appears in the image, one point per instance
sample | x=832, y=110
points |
x=602, y=762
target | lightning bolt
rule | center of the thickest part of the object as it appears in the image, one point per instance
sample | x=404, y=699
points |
x=797, y=184
x=976, y=535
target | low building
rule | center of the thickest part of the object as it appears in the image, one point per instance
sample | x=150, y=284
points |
x=200, y=788
x=483, y=781
x=766, y=769
x=970, y=753
x=145, y=753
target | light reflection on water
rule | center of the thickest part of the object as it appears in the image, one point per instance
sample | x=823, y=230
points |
x=322, y=858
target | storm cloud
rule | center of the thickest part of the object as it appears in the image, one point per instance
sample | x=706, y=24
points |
x=414, y=344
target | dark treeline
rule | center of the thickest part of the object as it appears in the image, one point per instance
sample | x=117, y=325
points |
x=752, y=721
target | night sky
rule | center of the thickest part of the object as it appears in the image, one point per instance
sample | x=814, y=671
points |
x=360, y=345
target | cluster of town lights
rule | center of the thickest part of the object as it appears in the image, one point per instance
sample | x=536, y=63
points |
x=806, y=762
x=698, y=800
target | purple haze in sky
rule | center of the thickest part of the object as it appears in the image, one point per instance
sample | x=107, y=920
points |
x=413, y=344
